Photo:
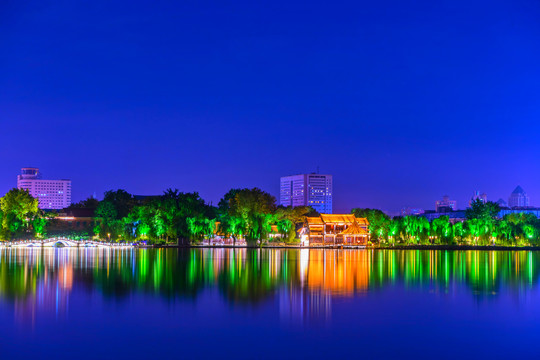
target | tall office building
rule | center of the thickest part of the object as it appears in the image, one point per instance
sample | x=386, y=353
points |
x=518, y=198
x=51, y=194
x=313, y=190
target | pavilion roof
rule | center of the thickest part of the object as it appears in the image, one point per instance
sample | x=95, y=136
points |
x=354, y=229
x=346, y=219
x=362, y=221
x=338, y=218
x=314, y=221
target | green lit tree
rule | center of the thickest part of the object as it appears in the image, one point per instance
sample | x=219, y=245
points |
x=379, y=222
x=441, y=230
x=18, y=209
x=481, y=210
x=256, y=209
x=288, y=219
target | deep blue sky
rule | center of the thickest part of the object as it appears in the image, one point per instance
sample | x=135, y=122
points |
x=401, y=101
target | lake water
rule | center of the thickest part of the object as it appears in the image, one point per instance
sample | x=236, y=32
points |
x=272, y=304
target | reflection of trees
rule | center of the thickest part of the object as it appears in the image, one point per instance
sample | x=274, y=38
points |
x=248, y=279
x=484, y=272
x=167, y=273
x=17, y=280
x=252, y=275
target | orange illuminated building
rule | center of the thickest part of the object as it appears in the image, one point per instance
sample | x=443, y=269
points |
x=335, y=229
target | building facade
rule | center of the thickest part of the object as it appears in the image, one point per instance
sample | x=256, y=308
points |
x=518, y=198
x=335, y=229
x=73, y=221
x=445, y=204
x=51, y=194
x=453, y=216
x=313, y=190
x=477, y=196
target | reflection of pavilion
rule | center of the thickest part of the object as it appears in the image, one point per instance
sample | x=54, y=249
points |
x=324, y=274
x=341, y=272
x=299, y=304
x=302, y=305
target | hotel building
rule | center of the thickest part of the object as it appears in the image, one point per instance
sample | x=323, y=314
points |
x=51, y=194
x=313, y=190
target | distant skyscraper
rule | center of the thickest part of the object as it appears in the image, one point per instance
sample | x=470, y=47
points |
x=518, y=198
x=445, y=204
x=51, y=194
x=477, y=195
x=313, y=190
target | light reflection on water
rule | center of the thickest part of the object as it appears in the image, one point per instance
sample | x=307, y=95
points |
x=304, y=281
x=136, y=303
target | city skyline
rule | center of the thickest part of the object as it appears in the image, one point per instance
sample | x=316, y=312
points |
x=430, y=204
x=402, y=104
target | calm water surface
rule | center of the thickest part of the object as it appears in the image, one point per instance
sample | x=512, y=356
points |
x=224, y=303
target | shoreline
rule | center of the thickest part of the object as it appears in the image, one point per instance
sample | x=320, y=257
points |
x=336, y=247
x=284, y=247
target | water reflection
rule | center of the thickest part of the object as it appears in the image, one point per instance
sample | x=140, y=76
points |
x=304, y=281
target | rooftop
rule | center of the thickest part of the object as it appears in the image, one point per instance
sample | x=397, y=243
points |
x=354, y=229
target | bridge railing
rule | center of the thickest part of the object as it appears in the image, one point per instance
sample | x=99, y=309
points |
x=64, y=240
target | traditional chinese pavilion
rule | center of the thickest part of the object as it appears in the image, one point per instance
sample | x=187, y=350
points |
x=335, y=229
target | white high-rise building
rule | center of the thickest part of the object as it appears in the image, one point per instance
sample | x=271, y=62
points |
x=313, y=190
x=518, y=198
x=51, y=194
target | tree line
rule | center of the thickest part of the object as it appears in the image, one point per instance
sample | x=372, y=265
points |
x=252, y=215
x=172, y=217
x=186, y=218
x=480, y=227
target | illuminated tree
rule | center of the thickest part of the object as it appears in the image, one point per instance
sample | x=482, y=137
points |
x=441, y=230
x=505, y=231
x=414, y=229
x=18, y=208
x=39, y=224
x=232, y=226
x=481, y=210
x=109, y=225
x=255, y=207
x=393, y=230
x=199, y=227
x=459, y=231
x=378, y=222
x=288, y=218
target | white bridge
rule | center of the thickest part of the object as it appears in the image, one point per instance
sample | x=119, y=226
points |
x=64, y=242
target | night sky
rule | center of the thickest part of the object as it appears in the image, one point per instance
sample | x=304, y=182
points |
x=401, y=101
